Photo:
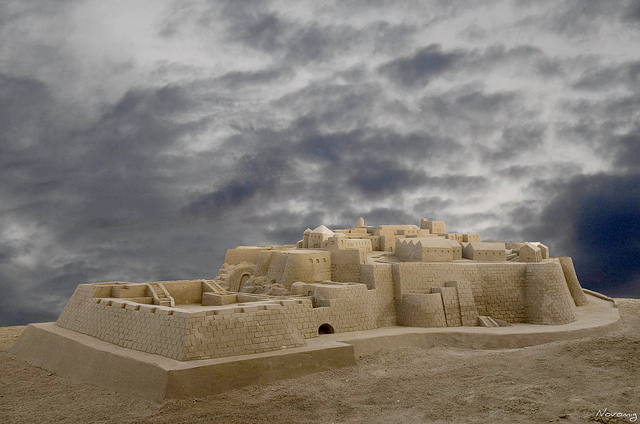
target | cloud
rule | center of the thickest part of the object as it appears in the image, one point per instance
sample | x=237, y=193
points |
x=596, y=220
x=189, y=128
x=575, y=18
x=422, y=66
x=604, y=78
x=628, y=150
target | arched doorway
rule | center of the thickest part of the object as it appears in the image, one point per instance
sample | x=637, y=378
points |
x=326, y=329
x=243, y=279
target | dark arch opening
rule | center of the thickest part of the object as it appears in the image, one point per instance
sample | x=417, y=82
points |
x=326, y=329
x=243, y=279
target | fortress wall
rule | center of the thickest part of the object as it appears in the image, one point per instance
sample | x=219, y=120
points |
x=239, y=331
x=548, y=300
x=124, y=323
x=263, y=262
x=380, y=278
x=242, y=254
x=422, y=310
x=345, y=265
x=277, y=265
x=308, y=267
x=451, y=305
x=184, y=291
x=408, y=252
x=498, y=290
x=348, y=307
x=570, y=276
x=185, y=335
x=466, y=302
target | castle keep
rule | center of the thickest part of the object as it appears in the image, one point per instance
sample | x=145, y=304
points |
x=332, y=281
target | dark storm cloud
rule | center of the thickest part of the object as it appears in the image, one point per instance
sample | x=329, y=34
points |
x=425, y=206
x=25, y=112
x=95, y=189
x=627, y=147
x=238, y=79
x=255, y=175
x=277, y=119
x=470, y=105
x=365, y=144
x=608, y=126
x=551, y=170
x=632, y=12
x=516, y=141
x=600, y=79
x=379, y=178
x=334, y=105
x=575, y=18
x=387, y=216
x=596, y=220
x=293, y=42
x=419, y=68
x=306, y=42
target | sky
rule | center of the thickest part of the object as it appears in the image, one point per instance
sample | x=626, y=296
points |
x=140, y=139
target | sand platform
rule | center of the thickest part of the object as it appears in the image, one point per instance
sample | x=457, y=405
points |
x=77, y=356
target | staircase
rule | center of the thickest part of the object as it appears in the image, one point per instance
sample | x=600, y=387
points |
x=485, y=321
x=160, y=295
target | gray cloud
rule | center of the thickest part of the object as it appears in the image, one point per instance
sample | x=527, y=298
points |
x=124, y=161
x=596, y=220
x=603, y=78
x=628, y=150
x=419, y=68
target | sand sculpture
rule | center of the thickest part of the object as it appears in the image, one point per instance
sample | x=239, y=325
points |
x=332, y=281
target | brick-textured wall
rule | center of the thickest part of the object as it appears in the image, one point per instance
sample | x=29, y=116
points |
x=548, y=300
x=498, y=289
x=468, y=308
x=125, y=323
x=451, y=305
x=236, y=256
x=185, y=335
x=240, y=331
x=345, y=265
x=380, y=278
x=515, y=292
x=570, y=276
x=422, y=310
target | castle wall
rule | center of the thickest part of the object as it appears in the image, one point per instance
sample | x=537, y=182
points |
x=125, y=324
x=498, y=289
x=306, y=266
x=240, y=330
x=184, y=292
x=185, y=335
x=345, y=265
x=547, y=297
x=422, y=310
x=242, y=254
x=277, y=265
x=380, y=278
x=263, y=262
x=345, y=307
x=570, y=276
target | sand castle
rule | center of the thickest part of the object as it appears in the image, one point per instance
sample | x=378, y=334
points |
x=276, y=312
x=332, y=281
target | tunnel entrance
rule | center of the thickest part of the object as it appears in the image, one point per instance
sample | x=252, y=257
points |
x=326, y=329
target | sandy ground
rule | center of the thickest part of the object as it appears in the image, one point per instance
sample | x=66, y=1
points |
x=566, y=382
